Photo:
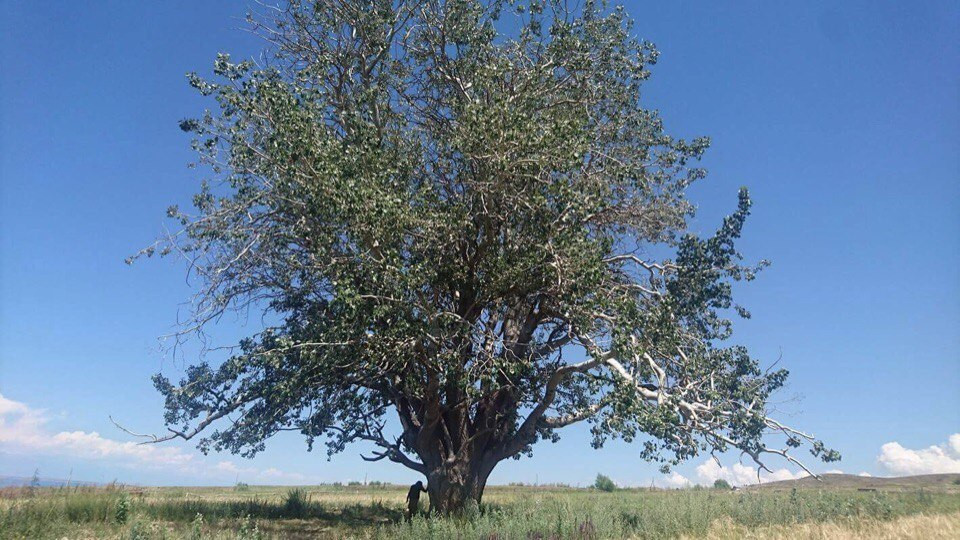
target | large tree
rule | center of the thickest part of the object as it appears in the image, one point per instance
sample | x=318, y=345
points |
x=464, y=232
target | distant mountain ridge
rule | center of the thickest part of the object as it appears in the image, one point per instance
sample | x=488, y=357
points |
x=852, y=481
x=21, y=481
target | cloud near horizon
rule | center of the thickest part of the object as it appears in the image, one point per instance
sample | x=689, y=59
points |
x=936, y=459
x=23, y=429
x=269, y=473
x=674, y=480
x=893, y=458
x=738, y=474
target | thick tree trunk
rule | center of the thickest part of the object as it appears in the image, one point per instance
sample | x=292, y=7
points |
x=452, y=486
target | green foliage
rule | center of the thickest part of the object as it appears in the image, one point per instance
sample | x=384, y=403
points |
x=428, y=213
x=34, y=482
x=604, y=483
x=720, y=483
x=241, y=486
x=138, y=531
x=196, y=527
x=122, y=509
x=249, y=530
x=297, y=502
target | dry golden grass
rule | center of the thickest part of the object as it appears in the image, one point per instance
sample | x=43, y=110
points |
x=521, y=513
x=919, y=527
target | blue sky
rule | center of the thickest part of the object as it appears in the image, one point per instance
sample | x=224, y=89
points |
x=842, y=118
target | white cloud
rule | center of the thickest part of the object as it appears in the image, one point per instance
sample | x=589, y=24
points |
x=739, y=474
x=953, y=443
x=253, y=473
x=23, y=430
x=674, y=480
x=232, y=468
x=893, y=458
x=8, y=406
x=277, y=474
x=935, y=459
x=92, y=445
x=19, y=423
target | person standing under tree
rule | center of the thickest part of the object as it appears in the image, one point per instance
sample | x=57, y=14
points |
x=413, y=499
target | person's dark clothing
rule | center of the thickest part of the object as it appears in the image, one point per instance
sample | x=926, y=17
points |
x=413, y=499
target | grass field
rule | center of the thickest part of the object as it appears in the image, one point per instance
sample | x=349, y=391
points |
x=811, y=510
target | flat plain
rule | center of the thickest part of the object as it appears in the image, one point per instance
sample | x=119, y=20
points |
x=839, y=506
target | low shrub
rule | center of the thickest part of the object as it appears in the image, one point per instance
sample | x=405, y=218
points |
x=604, y=483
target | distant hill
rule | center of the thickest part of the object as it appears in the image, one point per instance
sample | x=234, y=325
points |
x=851, y=481
x=19, y=481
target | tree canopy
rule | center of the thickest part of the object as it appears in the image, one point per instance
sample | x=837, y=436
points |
x=465, y=232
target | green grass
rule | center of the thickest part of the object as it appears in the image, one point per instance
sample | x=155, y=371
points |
x=636, y=514
x=375, y=512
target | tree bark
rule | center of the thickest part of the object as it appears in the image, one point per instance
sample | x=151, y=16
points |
x=452, y=486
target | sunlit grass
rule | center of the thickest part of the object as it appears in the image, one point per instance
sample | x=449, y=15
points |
x=507, y=513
